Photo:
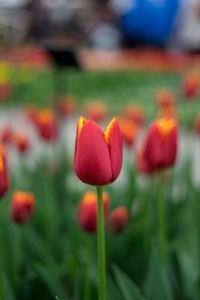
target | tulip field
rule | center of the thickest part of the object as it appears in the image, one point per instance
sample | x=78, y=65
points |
x=99, y=185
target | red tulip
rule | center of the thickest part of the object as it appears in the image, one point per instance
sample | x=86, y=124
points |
x=129, y=130
x=22, y=207
x=21, y=141
x=46, y=124
x=4, y=179
x=197, y=125
x=118, y=219
x=87, y=212
x=96, y=110
x=160, y=146
x=98, y=156
x=191, y=85
x=141, y=163
x=6, y=134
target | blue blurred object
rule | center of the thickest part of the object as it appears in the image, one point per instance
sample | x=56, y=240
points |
x=150, y=21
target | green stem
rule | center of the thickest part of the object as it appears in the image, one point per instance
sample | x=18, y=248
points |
x=101, y=246
x=161, y=222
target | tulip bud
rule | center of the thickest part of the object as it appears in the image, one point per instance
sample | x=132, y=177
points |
x=47, y=125
x=87, y=211
x=190, y=85
x=129, y=130
x=96, y=110
x=118, y=219
x=22, y=207
x=160, y=146
x=98, y=156
x=4, y=180
x=21, y=141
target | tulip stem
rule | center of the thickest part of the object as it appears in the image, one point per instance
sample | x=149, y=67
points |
x=101, y=246
x=161, y=222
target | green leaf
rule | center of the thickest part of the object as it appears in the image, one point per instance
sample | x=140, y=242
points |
x=157, y=285
x=112, y=291
x=128, y=288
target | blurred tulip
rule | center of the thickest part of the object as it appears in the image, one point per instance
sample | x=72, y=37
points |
x=5, y=91
x=165, y=98
x=129, y=130
x=98, y=156
x=141, y=163
x=96, y=110
x=66, y=105
x=22, y=207
x=87, y=211
x=197, y=125
x=136, y=113
x=190, y=85
x=4, y=179
x=118, y=219
x=160, y=146
x=21, y=141
x=46, y=124
x=6, y=134
x=168, y=112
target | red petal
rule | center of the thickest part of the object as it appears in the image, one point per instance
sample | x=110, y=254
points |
x=113, y=138
x=92, y=159
x=170, y=148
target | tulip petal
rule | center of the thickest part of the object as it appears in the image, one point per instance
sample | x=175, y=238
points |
x=113, y=138
x=92, y=159
x=153, y=150
x=170, y=148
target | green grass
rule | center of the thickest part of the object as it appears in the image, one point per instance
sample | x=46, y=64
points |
x=117, y=89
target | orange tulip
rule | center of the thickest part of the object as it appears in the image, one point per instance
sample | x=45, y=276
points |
x=129, y=130
x=96, y=110
x=160, y=147
x=98, y=156
x=21, y=141
x=87, y=211
x=22, y=207
x=165, y=98
x=136, y=113
x=66, y=105
x=46, y=124
x=118, y=219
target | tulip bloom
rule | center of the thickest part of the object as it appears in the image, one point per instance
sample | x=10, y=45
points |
x=46, y=124
x=22, y=207
x=96, y=110
x=129, y=130
x=160, y=146
x=118, y=219
x=4, y=179
x=21, y=141
x=87, y=212
x=190, y=85
x=98, y=156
